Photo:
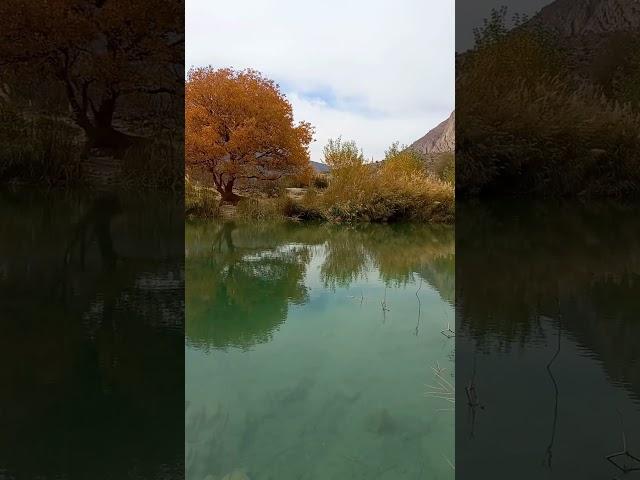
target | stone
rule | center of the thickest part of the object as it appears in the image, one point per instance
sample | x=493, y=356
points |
x=381, y=422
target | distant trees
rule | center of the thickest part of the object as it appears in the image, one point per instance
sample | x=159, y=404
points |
x=340, y=154
x=238, y=126
x=399, y=160
x=400, y=187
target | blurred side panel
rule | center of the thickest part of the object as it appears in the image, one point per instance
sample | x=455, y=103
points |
x=91, y=239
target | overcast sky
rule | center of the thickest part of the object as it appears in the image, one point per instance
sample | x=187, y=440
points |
x=374, y=71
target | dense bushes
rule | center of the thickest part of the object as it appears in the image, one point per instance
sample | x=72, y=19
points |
x=320, y=182
x=37, y=149
x=399, y=188
x=154, y=163
x=199, y=201
x=540, y=126
x=375, y=198
x=550, y=139
x=50, y=150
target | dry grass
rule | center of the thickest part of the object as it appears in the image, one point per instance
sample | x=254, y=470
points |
x=200, y=201
x=362, y=193
x=38, y=149
x=154, y=164
x=538, y=129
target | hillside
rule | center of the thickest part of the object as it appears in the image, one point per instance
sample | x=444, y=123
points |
x=570, y=18
x=319, y=167
x=440, y=139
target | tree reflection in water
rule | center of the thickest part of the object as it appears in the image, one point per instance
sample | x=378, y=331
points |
x=241, y=279
x=91, y=339
x=539, y=282
x=292, y=370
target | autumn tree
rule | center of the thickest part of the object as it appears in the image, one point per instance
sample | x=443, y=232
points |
x=100, y=54
x=239, y=126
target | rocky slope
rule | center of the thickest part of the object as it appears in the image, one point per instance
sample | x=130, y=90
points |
x=319, y=167
x=570, y=18
x=440, y=139
x=597, y=36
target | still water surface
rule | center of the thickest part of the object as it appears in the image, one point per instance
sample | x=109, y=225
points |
x=91, y=336
x=308, y=351
x=548, y=312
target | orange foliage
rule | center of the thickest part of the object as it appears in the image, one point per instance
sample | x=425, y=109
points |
x=238, y=125
x=99, y=51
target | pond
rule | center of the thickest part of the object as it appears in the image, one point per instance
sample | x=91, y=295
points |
x=548, y=340
x=317, y=352
x=91, y=336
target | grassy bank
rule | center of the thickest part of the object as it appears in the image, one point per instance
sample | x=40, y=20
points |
x=358, y=193
x=38, y=149
x=50, y=150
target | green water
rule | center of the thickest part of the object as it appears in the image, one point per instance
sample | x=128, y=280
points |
x=91, y=336
x=547, y=298
x=294, y=370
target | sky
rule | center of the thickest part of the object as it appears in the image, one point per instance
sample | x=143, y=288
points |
x=373, y=71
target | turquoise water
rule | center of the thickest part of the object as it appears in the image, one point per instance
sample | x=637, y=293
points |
x=309, y=350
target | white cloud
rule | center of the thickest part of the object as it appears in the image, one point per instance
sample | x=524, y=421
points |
x=372, y=71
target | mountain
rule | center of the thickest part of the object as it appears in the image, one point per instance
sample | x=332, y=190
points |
x=440, y=139
x=320, y=167
x=598, y=37
x=570, y=18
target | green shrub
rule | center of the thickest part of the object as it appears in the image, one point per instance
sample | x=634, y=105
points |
x=200, y=201
x=153, y=164
x=397, y=190
x=38, y=149
x=320, y=182
x=261, y=209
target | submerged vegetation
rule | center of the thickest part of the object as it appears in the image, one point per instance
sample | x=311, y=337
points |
x=546, y=123
x=245, y=157
x=283, y=294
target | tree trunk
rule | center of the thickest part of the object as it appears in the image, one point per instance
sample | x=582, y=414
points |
x=99, y=129
x=101, y=133
x=108, y=138
x=226, y=192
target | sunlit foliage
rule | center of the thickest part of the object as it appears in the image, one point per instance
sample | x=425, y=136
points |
x=239, y=126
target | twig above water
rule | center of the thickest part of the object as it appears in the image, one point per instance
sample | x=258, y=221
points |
x=419, y=307
x=549, y=452
x=448, y=332
x=619, y=459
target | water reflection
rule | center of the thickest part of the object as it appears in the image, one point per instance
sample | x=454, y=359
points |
x=308, y=347
x=546, y=305
x=91, y=354
x=243, y=279
x=251, y=291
